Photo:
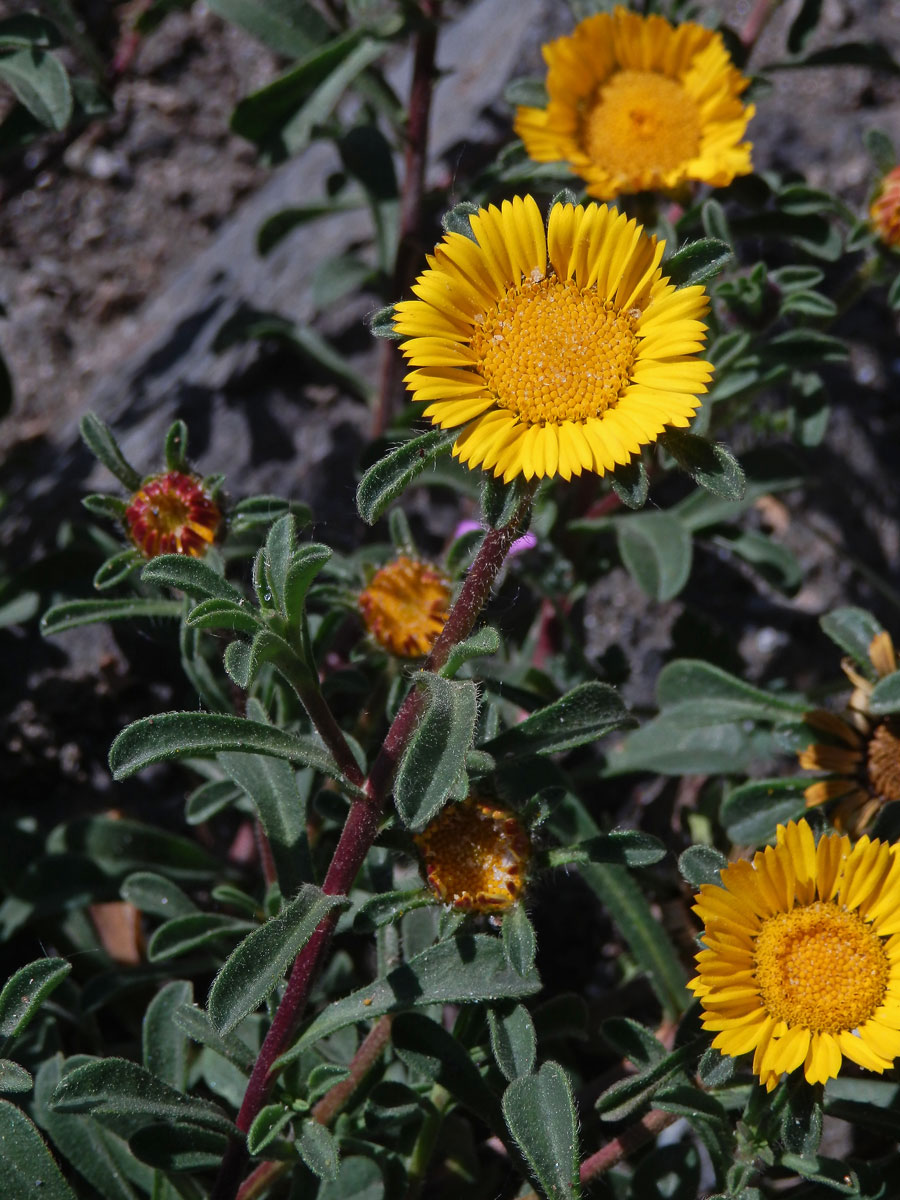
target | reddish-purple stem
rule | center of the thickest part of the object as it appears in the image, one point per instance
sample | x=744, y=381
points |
x=356, y=840
x=410, y=220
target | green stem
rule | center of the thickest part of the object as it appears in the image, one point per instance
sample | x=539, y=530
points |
x=423, y=1150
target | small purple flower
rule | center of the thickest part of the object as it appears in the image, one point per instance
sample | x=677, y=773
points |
x=527, y=541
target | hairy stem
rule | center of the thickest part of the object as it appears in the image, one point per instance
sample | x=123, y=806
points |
x=409, y=231
x=356, y=840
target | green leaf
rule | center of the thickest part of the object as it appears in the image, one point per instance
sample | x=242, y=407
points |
x=277, y=557
x=586, y=713
x=845, y=54
x=261, y=960
x=275, y=228
x=435, y=754
x=711, y=465
x=184, y=935
x=513, y=1040
x=698, y=262
x=175, y=446
x=27, y=30
x=809, y=304
x=633, y=1041
x=631, y=483
x=628, y=847
x=99, y=439
x=72, y=613
x=389, y=478
x=191, y=575
x=893, y=296
x=885, y=696
x=165, y=1046
x=14, y=1078
x=225, y=614
x=801, y=1121
x=367, y=155
x=28, y=1166
x=751, y=812
x=267, y=1125
x=630, y=910
x=97, y=1154
x=671, y=745
x=467, y=969
x=386, y=908
x=25, y=992
x=715, y=1069
x=803, y=24
x=281, y=116
x=41, y=83
x=359, y=1179
x=171, y=736
x=627, y=1095
x=482, y=644
x=457, y=219
x=774, y=562
x=540, y=1113
x=430, y=1050
x=289, y=27
x=196, y=1024
x=119, y=845
x=176, y=1147
x=702, y=864
x=881, y=149
x=853, y=629
x=318, y=1149
x=117, y=568
x=271, y=783
x=715, y=223
x=381, y=324
x=519, y=940
x=528, y=92
x=657, y=552
x=700, y=692
x=256, y=511
x=833, y=1173
x=307, y=562
x=806, y=348
x=114, y=1087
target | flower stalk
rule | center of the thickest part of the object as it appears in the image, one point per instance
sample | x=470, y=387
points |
x=410, y=223
x=357, y=838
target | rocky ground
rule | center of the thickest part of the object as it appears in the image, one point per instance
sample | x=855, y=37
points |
x=124, y=248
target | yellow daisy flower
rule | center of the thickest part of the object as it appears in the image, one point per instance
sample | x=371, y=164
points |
x=636, y=103
x=885, y=210
x=802, y=956
x=557, y=351
x=406, y=606
x=862, y=755
x=475, y=855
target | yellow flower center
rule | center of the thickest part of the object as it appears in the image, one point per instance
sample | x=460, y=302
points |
x=551, y=352
x=641, y=121
x=820, y=967
x=406, y=606
x=474, y=856
x=883, y=761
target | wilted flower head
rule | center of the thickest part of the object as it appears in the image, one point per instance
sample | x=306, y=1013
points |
x=802, y=956
x=636, y=103
x=475, y=855
x=885, y=210
x=861, y=753
x=406, y=606
x=172, y=514
x=556, y=350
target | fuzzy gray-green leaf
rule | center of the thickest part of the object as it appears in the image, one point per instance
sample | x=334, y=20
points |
x=28, y=1166
x=540, y=1113
x=436, y=753
x=390, y=477
x=586, y=713
x=26, y=990
x=259, y=963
